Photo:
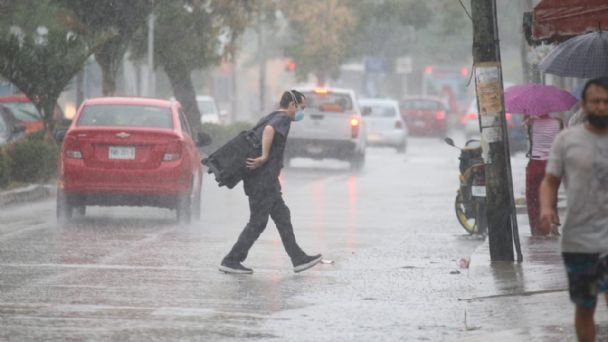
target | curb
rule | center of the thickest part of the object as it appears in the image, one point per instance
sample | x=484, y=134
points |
x=27, y=194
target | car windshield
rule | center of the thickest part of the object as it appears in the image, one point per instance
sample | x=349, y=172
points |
x=421, y=104
x=328, y=102
x=125, y=115
x=379, y=111
x=23, y=111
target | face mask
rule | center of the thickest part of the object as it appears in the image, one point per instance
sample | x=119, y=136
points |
x=299, y=115
x=598, y=121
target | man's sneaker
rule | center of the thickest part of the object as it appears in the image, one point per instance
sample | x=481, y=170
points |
x=234, y=268
x=306, y=262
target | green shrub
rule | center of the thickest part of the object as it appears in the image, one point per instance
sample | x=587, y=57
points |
x=34, y=159
x=221, y=134
x=5, y=169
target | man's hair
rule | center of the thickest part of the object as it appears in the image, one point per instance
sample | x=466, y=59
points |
x=600, y=82
x=291, y=96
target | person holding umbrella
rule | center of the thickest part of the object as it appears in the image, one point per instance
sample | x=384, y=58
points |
x=579, y=157
x=542, y=130
x=538, y=103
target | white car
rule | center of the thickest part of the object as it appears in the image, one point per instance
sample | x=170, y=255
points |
x=385, y=126
x=332, y=128
x=208, y=108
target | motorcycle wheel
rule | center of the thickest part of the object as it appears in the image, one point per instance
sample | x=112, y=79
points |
x=468, y=223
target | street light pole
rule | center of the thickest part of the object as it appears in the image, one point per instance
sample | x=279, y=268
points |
x=151, y=77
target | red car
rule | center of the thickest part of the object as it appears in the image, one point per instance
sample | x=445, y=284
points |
x=426, y=115
x=129, y=151
x=25, y=111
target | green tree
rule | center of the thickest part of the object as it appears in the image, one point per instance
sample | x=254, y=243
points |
x=191, y=35
x=386, y=29
x=38, y=55
x=321, y=35
x=122, y=18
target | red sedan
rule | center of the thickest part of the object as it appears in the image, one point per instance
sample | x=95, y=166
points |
x=129, y=151
x=426, y=115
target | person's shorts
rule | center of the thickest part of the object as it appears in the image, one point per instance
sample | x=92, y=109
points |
x=587, y=276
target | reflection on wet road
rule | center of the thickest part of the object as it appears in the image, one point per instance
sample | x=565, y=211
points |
x=134, y=274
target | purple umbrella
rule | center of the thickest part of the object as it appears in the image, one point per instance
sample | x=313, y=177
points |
x=537, y=99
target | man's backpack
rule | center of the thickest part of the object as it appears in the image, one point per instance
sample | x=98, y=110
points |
x=227, y=163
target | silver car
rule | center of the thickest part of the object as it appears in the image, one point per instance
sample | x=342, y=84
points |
x=385, y=126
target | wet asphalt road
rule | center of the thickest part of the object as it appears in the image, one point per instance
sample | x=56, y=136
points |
x=133, y=274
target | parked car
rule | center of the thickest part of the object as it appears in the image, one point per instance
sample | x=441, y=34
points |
x=129, y=151
x=426, y=115
x=332, y=128
x=209, y=109
x=518, y=137
x=25, y=111
x=385, y=126
x=11, y=129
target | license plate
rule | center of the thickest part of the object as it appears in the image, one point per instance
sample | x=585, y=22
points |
x=373, y=136
x=478, y=190
x=314, y=149
x=121, y=152
x=419, y=123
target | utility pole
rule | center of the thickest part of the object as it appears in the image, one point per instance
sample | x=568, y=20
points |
x=261, y=56
x=494, y=138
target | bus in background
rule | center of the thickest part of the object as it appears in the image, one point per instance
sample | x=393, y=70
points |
x=450, y=83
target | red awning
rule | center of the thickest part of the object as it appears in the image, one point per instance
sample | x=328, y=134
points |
x=557, y=20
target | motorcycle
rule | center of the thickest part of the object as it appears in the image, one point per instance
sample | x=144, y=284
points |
x=470, y=203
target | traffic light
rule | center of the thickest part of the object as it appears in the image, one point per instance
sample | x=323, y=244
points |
x=290, y=65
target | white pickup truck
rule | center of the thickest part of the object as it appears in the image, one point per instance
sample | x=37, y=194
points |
x=332, y=128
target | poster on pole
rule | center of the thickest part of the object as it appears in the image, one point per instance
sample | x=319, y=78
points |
x=489, y=97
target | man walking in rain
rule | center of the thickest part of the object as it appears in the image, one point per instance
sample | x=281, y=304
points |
x=579, y=156
x=264, y=190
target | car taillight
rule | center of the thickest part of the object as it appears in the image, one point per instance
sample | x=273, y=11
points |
x=354, y=127
x=509, y=119
x=173, y=151
x=71, y=147
x=440, y=115
x=469, y=116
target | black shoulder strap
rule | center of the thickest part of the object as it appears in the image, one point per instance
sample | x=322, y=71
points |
x=265, y=120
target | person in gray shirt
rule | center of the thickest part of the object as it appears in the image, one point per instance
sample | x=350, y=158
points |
x=579, y=158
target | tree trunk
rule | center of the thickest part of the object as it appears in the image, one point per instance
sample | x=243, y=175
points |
x=47, y=108
x=181, y=83
x=321, y=79
x=108, y=74
x=109, y=57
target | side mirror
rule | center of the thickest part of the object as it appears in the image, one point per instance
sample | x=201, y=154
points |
x=203, y=139
x=367, y=111
x=60, y=134
x=449, y=141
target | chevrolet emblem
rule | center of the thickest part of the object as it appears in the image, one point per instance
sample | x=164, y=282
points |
x=123, y=135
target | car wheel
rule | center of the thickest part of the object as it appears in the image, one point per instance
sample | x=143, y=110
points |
x=357, y=162
x=196, y=204
x=80, y=211
x=184, y=209
x=402, y=147
x=64, y=208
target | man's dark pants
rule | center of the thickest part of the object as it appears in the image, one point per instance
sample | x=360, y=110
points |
x=265, y=200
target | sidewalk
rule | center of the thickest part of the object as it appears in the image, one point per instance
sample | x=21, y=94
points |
x=29, y=193
x=525, y=301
